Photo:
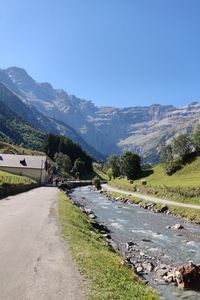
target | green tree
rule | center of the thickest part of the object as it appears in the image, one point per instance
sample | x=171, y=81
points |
x=173, y=166
x=181, y=146
x=166, y=154
x=113, y=162
x=130, y=165
x=196, y=138
x=97, y=182
x=78, y=166
x=61, y=144
x=109, y=173
x=63, y=162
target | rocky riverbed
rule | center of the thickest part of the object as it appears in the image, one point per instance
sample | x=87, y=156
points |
x=152, y=244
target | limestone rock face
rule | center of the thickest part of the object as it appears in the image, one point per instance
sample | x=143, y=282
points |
x=107, y=129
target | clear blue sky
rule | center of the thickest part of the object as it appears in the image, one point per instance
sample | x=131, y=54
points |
x=113, y=52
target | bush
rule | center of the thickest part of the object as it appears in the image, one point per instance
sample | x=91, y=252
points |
x=97, y=182
x=172, y=166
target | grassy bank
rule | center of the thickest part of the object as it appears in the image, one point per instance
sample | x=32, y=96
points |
x=11, y=179
x=188, y=213
x=107, y=278
x=183, y=186
x=188, y=176
x=190, y=195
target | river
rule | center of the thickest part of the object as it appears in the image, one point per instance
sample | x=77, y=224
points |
x=148, y=230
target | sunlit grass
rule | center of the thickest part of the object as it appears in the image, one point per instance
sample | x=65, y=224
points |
x=8, y=178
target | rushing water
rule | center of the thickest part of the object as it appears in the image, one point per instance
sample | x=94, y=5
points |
x=149, y=230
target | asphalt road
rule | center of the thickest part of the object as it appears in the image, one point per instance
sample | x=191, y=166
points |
x=149, y=198
x=35, y=262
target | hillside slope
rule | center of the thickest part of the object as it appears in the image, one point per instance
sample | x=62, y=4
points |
x=15, y=149
x=27, y=113
x=188, y=176
x=14, y=129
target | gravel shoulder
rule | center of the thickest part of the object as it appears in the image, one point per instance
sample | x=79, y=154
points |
x=35, y=262
x=149, y=198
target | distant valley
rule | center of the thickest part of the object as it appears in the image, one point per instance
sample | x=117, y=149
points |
x=102, y=130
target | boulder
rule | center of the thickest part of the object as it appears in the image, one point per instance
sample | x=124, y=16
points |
x=91, y=216
x=101, y=227
x=188, y=276
x=129, y=245
x=143, y=182
x=148, y=266
x=161, y=273
x=177, y=226
x=139, y=269
x=87, y=211
x=164, y=208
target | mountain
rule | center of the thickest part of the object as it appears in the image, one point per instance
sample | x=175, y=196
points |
x=107, y=129
x=28, y=113
x=15, y=129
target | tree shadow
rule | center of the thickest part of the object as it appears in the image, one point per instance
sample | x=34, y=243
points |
x=145, y=173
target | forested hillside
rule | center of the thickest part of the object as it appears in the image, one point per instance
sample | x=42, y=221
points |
x=15, y=129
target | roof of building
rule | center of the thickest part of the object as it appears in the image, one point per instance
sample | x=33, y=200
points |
x=22, y=161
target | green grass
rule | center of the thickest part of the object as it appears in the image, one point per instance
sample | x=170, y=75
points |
x=183, y=186
x=14, y=149
x=189, y=176
x=10, y=179
x=188, y=213
x=107, y=278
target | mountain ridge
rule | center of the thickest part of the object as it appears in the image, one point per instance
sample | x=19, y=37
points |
x=28, y=114
x=141, y=129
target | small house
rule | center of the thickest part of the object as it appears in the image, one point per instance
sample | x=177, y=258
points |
x=35, y=167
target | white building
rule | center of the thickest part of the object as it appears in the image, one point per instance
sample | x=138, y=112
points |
x=35, y=167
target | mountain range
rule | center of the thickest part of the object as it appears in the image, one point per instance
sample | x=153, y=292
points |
x=104, y=130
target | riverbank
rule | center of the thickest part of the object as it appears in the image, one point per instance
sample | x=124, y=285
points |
x=107, y=276
x=183, y=210
x=148, y=241
x=179, y=194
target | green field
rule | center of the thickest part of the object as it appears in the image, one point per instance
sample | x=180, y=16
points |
x=189, y=176
x=107, y=278
x=183, y=186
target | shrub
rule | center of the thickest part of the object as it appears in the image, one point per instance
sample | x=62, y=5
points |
x=172, y=166
x=97, y=182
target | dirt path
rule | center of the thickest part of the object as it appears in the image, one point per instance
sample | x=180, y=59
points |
x=149, y=198
x=35, y=263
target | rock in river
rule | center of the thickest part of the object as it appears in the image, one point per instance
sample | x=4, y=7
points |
x=177, y=226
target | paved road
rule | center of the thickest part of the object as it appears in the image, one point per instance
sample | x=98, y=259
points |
x=35, y=262
x=149, y=198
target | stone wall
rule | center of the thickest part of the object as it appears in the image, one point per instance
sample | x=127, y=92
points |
x=12, y=189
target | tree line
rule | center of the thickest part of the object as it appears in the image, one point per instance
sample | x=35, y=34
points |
x=182, y=148
x=68, y=155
